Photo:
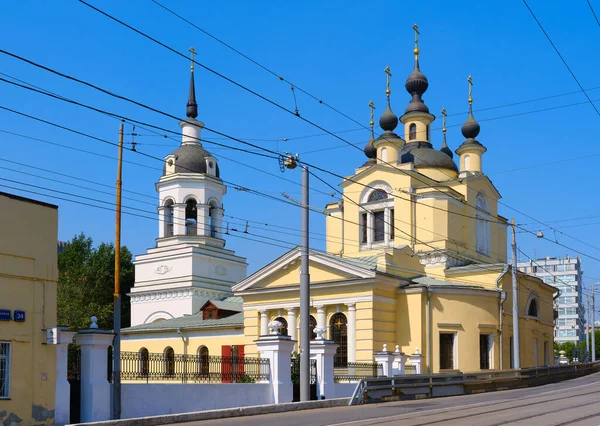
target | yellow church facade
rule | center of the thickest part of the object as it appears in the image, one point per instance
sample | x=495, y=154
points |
x=415, y=260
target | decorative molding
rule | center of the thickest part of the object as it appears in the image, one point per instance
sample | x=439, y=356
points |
x=449, y=325
x=487, y=326
x=178, y=294
x=437, y=259
x=220, y=270
x=162, y=269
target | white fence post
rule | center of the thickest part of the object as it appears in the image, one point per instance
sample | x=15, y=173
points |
x=400, y=358
x=416, y=359
x=95, y=388
x=323, y=351
x=62, y=404
x=386, y=359
x=278, y=350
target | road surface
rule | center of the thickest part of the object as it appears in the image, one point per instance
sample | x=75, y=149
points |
x=574, y=402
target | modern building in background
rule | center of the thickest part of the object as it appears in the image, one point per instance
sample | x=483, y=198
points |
x=566, y=275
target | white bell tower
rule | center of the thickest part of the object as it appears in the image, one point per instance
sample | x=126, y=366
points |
x=189, y=263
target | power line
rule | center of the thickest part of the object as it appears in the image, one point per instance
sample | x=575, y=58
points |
x=561, y=57
x=593, y=12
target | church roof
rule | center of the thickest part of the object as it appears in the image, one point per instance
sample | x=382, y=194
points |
x=366, y=262
x=227, y=306
x=188, y=322
x=191, y=159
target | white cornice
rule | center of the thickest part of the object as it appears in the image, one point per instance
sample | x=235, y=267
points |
x=329, y=302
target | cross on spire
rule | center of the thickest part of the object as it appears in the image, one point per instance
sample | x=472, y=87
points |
x=388, y=73
x=193, y=51
x=416, y=28
x=372, y=122
x=470, y=80
x=444, y=115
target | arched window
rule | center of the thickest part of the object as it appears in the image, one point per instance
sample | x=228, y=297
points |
x=191, y=217
x=377, y=195
x=283, y=330
x=168, y=212
x=211, y=216
x=412, y=132
x=144, y=357
x=338, y=326
x=427, y=132
x=383, y=154
x=532, y=306
x=482, y=226
x=312, y=324
x=467, y=162
x=169, y=355
x=203, y=361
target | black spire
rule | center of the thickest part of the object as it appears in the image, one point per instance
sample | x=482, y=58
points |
x=192, y=106
x=416, y=83
x=471, y=128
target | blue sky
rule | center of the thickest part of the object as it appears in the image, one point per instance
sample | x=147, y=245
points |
x=336, y=51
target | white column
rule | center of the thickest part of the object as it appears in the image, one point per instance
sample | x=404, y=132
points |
x=371, y=230
x=62, y=404
x=264, y=323
x=278, y=350
x=217, y=222
x=179, y=219
x=321, y=317
x=323, y=351
x=95, y=389
x=291, y=320
x=161, y=222
x=416, y=359
x=386, y=359
x=386, y=225
x=351, y=332
x=203, y=219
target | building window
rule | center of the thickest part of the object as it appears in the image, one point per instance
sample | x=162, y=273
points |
x=339, y=334
x=144, y=362
x=283, y=330
x=379, y=234
x=384, y=154
x=485, y=349
x=203, y=361
x=312, y=324
x=447, y=358
x=4, y=369
x=168, y=212
x=412, y=132
x=191, y=217
x=378, y=195
x=482, y=226
x=169, y=355
x=467, y=162
x=392, y=224
x=427, y=132
x=364, y=228
x=533, y=311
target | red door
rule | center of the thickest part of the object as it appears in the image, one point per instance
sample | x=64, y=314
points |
x=226, y=364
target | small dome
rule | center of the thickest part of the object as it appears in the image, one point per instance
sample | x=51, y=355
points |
x=388, y=120
x=370, y=150
x=447, y=151
x=389, y=137
x=192, y=159
x=471, y=128
x=416, y=82
x=422, y=154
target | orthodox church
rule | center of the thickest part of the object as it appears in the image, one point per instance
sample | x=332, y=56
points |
x=418, y=260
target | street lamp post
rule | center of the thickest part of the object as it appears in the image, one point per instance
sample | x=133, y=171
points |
x=515, y=302
x=291, y=163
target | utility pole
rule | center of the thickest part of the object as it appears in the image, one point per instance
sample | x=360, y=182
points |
x=304, y=297
x=587, y=326
x=117, y=294
x=515, y=301
x=593, y=324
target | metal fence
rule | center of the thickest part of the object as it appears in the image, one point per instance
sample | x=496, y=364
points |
x=355, y=371
x=193, y=368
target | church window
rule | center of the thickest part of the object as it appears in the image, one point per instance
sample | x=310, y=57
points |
x=467, y=162
x=392, y=224
x=312, y=324
x=168, y=213
x=412, y=132
x=485, y=344
x=364, y=227
x=169, y=355
x=427, y=132
x=203, y=361
x=378, y=195
x=379, y=234
x=482, y=226
x=384, y=154
x=191, y=216
x=532, y=304
x=211, y=216
x=338, y=326
x=283, y=330
x=447, y=354
x=144, y=357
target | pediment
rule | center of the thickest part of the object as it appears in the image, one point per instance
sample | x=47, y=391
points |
x=285, y=271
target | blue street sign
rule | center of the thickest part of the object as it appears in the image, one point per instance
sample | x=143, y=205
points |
x=19, y=316
x=4, y=314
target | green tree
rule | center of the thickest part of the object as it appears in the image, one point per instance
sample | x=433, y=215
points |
x=86, y=283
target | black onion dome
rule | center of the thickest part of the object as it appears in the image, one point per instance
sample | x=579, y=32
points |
x=192, y=159
x=416, y=84
x=192, y=106
x=447, y=150
x=370, y=150
x=471, y=128
x=422, y=154
x=388, y=120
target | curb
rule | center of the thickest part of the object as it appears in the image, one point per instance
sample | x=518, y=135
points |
x=252, y=410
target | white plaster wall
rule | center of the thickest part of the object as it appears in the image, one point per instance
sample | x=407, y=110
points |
x=344, y=390
x=174, y=309
x=141, y=400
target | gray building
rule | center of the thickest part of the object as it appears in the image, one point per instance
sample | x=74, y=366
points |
x=566, y=275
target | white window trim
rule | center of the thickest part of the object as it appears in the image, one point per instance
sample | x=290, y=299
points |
x=454, y=351
x=7, y=372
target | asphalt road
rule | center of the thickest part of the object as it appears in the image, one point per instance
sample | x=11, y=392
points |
x=574, y=402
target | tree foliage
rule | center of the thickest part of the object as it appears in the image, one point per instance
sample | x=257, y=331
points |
x=86, y=283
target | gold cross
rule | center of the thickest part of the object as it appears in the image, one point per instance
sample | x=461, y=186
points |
x=372, y=106
x=444, y=121
x=339, y=323
x=387, y=80
x=416, y=28
x=470, y=80
x=193, y=53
